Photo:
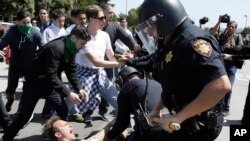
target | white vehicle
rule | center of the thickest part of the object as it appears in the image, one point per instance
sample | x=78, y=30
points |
x=6, y=24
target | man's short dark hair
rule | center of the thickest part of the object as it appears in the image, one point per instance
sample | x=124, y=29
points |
x=43, y=7
x=81, y=32
x=122, y=18
x=105, y=6
x=73, y=12
x=22, y=15
x=56, y=14
x=79, y=12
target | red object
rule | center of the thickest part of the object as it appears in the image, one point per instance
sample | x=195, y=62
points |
x=7, y=55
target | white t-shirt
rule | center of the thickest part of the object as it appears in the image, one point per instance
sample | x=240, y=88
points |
x=52, y=32
x=69, y=28
x=97, y=46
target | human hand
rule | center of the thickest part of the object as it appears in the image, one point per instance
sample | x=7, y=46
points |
x=137, y=47
x=84, y=94
x=227, y=57
x=227, y=45
x=74, y=98
x=153, y=114
x=169, y=123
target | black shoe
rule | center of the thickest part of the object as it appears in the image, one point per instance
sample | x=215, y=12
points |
x=87, y=118
x=10, y=101
x=104, y=117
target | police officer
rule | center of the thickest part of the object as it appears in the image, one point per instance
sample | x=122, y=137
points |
x=241, y=52
x=191, y=73
x=43, y=80
x=137, y=96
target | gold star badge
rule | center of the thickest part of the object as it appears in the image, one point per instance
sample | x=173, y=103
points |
x=169, y=57
x=202, y=47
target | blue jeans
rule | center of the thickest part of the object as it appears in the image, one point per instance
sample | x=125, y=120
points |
x=73, y=109
x=110, y=93
x=231, y=71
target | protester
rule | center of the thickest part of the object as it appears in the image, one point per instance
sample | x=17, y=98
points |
x=91, y=64
x=43, y=80
x=23, y=40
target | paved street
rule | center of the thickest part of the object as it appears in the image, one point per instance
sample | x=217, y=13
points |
x=33, y=131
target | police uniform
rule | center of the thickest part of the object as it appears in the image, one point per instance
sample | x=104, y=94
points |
x=189, y=61
x=130, y=96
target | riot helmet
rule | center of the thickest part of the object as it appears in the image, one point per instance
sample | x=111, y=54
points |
x=171, y=12
x=124, y=74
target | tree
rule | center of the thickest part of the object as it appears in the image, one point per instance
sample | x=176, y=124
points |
x=10, y=7
x=245, y=31
x=133, y=17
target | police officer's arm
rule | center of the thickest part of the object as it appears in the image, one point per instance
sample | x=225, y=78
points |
x=238, y=52
x=144, y=62
x=211, y=94
x=123, y=116
x=126, y=38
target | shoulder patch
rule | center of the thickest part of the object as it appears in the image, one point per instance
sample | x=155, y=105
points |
x=202, y=47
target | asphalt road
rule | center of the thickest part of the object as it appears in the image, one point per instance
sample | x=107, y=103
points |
x=33, y=131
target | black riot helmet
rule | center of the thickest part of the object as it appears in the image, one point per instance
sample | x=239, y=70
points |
x=124, y=74
x=172, y=14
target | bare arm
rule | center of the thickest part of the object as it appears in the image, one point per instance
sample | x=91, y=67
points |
x=211, y=94
x=101, y=63
x=214, y=29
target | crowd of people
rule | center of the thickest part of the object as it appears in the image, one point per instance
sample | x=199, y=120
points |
x=138, y=74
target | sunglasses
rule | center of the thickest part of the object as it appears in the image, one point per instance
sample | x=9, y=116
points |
x=100, y=18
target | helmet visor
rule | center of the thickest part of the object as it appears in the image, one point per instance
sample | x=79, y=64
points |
x=142, y=31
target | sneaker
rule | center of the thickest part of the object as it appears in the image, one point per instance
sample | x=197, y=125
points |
x=10, y=101
x=87, y=118
x=77, y=118
x=104, y=117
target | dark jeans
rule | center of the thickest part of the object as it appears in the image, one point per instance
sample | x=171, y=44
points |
x=13, y=77
x=204, y=135
x=5, y=119
x=246, y=113
x=47, y=109
x=32, y=92
x=231, y=71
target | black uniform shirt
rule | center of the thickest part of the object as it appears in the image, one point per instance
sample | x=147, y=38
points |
x=49, y=62
x=131, y=94
x=189, y=61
